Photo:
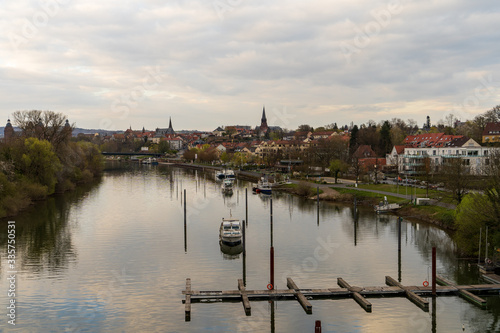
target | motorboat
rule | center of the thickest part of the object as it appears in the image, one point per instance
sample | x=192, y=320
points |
x=219, y=175
x=227, y=186
x=263, y=186
x=385, y=206
x=229, y=174
x=230, y=232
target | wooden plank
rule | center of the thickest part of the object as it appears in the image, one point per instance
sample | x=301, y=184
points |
x=420, y=302
x=244, y=297
x=463, y=292
x=187, y=306
x=367, y=306
x=300, y=297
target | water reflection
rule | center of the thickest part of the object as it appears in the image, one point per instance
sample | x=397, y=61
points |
x=230, y=252
x=133, y=220
x=44, y=233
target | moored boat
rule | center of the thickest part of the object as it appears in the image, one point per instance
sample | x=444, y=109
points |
x=227, y=186
x=230, y=232
x=385, y=206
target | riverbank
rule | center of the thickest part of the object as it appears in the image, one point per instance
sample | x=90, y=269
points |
x=441, y=216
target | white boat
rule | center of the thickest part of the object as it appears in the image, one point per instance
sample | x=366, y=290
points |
x=262, y=187
x=229, y=174
x=385, y=206
x=230, y=232
x=227, y=186
x=219, y=175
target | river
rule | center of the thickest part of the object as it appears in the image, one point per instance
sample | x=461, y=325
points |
x=114, y=257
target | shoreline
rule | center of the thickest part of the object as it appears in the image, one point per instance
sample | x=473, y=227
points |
x=331, y=195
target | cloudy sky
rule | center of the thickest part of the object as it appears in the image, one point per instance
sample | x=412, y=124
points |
x=113, y=64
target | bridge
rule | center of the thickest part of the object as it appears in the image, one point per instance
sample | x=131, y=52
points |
x=132, y=154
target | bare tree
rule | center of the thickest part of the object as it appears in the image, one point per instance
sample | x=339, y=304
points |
x=44, y=125
x=455, y=174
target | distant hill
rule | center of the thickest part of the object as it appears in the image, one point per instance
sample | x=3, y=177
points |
x=76, y=131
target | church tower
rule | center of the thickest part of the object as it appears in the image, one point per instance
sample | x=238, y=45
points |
x=8, y=132
x=170, y=129
x=263, y=123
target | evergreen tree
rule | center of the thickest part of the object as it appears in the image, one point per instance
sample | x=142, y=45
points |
x=353, y=141
x=385, y=138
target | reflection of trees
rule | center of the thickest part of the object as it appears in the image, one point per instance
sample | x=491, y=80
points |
x=43, y=236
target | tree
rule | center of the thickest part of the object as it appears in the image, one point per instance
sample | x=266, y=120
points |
x=426, y=173
x=164, y=147
x=385, y=138
x=337, y=166
x=329, y=149
x=44, y=125
x=39, y=163
x=474, y=212
x=455, y=174
x=190, y=154
x=305, y=128
x=353, y=141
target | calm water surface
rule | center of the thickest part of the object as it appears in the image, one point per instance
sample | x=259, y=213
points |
x=113, y=257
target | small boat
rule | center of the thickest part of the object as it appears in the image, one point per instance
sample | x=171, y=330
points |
x=229, y=174
x=385, y=206
x=219, y=175
x=152, y=161
x=230, y=232
x=262, y=186
x=227, y=186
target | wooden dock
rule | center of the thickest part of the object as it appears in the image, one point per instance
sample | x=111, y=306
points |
x=359, y=294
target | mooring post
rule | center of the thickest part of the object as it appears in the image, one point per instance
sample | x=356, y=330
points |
x=243, y=230
x=246, y=205
x=317, y=326
x=434, y=271
x=317, y=202
x=271, y=251
x=272, y=267
x=184, y=206
x=399, y=233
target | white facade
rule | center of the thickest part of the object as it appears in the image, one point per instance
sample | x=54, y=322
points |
x=411, y=160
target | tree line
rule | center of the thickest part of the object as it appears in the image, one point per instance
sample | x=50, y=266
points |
x=43, y=159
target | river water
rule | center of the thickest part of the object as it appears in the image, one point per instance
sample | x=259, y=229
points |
x=114, y=257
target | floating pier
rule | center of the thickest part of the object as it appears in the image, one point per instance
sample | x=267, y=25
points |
x=359, y=294
x=462, y=291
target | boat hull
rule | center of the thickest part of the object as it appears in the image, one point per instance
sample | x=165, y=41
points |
x=230, y=241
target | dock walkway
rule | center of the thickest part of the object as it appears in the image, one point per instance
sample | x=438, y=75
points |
x=359, y=294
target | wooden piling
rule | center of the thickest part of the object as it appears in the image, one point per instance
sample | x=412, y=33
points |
x=399, y=233
x=187, y=306
x=246, y=205
x=434, y=271
x=300, y=297
x=461, y=292
x=185, y=206
x=419, y=301
x=317, y=202
x=244, y=297
x=367, y=306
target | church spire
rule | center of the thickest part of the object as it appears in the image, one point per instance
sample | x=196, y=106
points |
x=170, y=123
x=263, y=120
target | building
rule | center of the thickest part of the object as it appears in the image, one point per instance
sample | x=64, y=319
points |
x=8, y=132
x=160, y=132
x=491, y=133
x=263, y=128
x=415, y=158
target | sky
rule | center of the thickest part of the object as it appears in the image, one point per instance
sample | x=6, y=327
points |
x=113, y=64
